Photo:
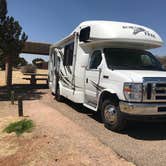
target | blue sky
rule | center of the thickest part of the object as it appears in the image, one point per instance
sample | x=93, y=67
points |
x=51, y=20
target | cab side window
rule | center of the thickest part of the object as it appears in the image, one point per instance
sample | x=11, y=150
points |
x=95, y=59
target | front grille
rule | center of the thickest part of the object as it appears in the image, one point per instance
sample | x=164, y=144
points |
x=154, y=90
x=160, y=91
x=149, y=91
x=161, y=109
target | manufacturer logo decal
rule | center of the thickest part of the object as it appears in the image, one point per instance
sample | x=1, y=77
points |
x=137, y=30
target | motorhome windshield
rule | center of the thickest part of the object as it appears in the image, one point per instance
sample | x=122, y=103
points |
x=130, y=59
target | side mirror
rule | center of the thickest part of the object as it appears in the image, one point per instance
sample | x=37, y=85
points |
x=84, y=34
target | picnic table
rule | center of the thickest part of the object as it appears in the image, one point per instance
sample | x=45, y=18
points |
x=33, y=79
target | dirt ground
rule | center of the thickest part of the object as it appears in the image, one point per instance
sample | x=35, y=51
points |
x=55, y=140
x=17, y=77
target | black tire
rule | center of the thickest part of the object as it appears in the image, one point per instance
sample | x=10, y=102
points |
x=111, y=116
x=98, y=116
x=58, y=96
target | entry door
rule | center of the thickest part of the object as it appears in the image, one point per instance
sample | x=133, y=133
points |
x=92, y=79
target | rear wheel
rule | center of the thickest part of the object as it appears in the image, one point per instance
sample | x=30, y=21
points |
x=58, y=96
x=111, y=116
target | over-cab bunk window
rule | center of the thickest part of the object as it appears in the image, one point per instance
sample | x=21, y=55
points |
x=68, y=54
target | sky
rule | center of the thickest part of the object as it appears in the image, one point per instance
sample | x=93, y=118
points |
x=52, y=20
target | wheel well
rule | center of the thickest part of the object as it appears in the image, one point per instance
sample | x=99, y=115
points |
x=107, y=95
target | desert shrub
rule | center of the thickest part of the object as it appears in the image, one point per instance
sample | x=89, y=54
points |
x=162, y=60
x=28, y=69
x=37, y=60
x=20, y=127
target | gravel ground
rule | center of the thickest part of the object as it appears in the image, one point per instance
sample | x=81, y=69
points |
x=69, y=143
x=56, y=140
x=142, y=143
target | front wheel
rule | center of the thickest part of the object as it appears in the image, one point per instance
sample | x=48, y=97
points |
x=112, y=117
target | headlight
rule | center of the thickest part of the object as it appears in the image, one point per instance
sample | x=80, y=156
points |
x=133, y=92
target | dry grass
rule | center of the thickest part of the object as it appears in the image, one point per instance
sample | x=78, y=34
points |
x=20, y=127
x=17, y=77
x=8, y=114
x=7, y=148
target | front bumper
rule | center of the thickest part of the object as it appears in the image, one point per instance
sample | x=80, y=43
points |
x=143, y=108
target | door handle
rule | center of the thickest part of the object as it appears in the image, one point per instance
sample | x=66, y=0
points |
x=105, y=76
x=86, y=80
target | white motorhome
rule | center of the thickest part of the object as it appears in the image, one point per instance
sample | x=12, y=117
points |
x=105, y=66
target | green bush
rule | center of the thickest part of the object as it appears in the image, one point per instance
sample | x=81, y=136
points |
x=20, y=127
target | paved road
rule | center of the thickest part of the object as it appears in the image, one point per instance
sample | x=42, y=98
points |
x=142, y=143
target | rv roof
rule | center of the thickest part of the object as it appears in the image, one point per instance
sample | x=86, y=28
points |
x=119, y=32
x=122, y=32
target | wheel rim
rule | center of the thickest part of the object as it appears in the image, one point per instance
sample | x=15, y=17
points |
x=110, y=114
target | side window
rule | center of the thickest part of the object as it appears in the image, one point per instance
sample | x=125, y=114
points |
x=95, y=60
x=54, y=57
x=68, y=54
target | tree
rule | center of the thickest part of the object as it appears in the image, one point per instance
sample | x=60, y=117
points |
x=162, y=60
x=38, y=62
x=18, y=62
x=2, y=62
x=35, y=61
x=12, y=40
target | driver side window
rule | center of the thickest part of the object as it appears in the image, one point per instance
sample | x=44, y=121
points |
x=95, y=59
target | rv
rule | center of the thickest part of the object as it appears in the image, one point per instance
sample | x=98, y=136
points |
x=105, y=66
